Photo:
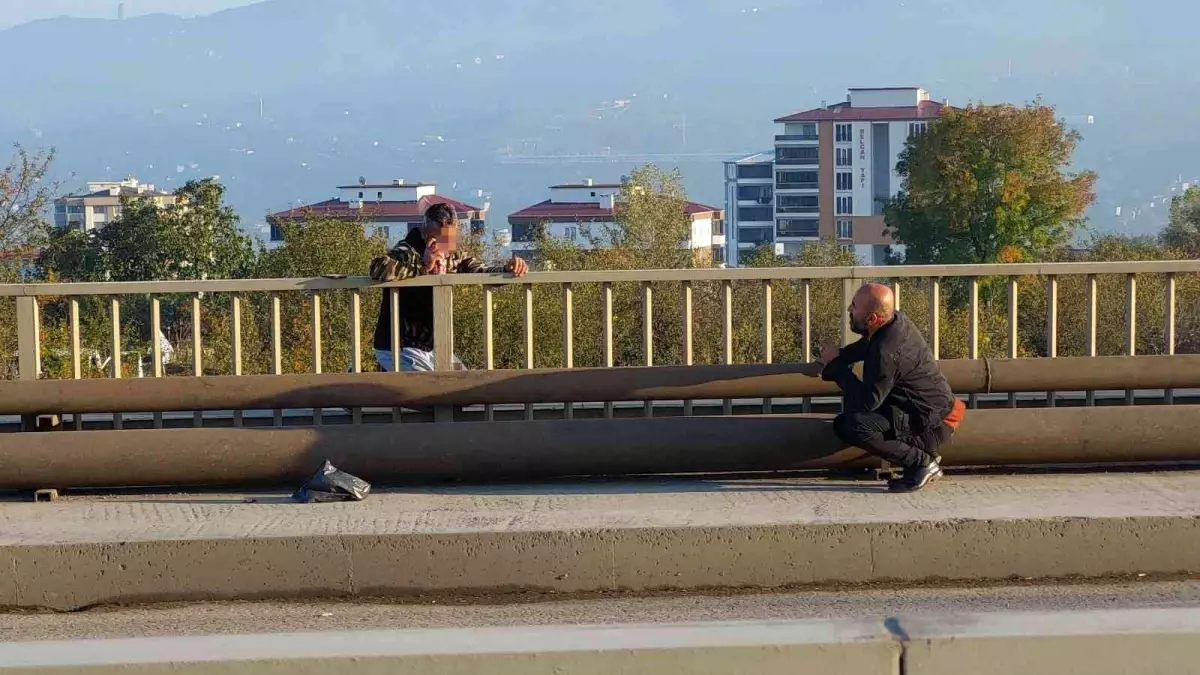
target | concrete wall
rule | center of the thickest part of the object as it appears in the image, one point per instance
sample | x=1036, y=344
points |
x=1067, y=643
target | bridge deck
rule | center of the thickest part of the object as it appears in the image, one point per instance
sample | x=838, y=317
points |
x=589, y=505
x=597, y=537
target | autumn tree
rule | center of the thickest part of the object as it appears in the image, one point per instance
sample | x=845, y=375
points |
x=988, y=183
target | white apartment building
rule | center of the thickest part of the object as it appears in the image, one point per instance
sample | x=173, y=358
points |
x=574, y=205
x=387, y=209
x=749, y=205
x=101, y=204
x=835, y=167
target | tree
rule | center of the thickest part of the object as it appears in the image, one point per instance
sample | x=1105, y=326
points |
x=1183, y=230
x=194, y=239
x=987, y=183
x=315, y=246
x=24, y=195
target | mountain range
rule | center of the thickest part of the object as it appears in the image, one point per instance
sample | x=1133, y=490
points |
x=496, y=100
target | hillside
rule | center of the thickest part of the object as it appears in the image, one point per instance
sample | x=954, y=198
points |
x=442, y=90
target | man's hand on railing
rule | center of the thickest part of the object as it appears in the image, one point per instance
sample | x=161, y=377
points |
x=517, y=267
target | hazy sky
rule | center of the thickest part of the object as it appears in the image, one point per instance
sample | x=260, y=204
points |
x=13, y=12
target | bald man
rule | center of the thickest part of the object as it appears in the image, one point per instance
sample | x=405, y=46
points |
x=902, y=409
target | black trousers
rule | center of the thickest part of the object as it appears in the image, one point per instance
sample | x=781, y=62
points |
x=876, y=433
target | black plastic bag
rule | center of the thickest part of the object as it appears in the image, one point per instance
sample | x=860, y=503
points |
x=330, y=484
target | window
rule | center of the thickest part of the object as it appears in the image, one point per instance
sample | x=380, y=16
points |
x=524, y=233
x=360, y=195
x=75, y=208
x=845, y=206
x=845, y=229
x=571, y=232
x=379, y=195
x=755, y=171
x=755, y=214
x=846, y=248
x=798, y=227
x=796, y=180
x=845, y=180
x=99, y=210
x=718, y=227
x=718, y=254
x=802, y=155
x=382, y=231
x=755, y=193
x=808, y=129
x=276, y=233
x=60, y=208
x=798, y=203
x=844, y=133
x=754, y=235
x=844, y=156
x=915, y=128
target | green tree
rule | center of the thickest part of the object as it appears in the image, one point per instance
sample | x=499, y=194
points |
x=1183, y=230
x=194, y=239
x=315, y=246
x=989, y=183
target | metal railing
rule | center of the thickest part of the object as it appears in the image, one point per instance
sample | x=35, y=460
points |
x=768, y=280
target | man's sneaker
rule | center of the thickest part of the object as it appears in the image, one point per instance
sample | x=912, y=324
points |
x=916, y=477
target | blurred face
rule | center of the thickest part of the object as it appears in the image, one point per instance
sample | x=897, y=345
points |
x=446, y=236
x=862, y=320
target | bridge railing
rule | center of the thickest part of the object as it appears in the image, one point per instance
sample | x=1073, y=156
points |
x=628, y=317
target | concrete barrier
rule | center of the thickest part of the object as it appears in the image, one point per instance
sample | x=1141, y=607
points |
x=597, y=537
x=816, y=647
x=1096, y=643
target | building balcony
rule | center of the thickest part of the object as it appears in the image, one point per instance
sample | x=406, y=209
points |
x=798, y=162
x=785, y=138
x=797, y=186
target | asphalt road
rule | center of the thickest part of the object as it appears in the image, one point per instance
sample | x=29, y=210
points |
x=264, y=617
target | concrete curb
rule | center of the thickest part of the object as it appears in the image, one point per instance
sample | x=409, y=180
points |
x=1096, y=643
x=681, y=558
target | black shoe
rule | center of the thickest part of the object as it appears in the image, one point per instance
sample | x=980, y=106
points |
x=916, y=477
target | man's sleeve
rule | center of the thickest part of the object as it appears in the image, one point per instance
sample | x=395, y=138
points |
x=475, y=266
x=402, y=262
x=879, y=376
x=848, y=356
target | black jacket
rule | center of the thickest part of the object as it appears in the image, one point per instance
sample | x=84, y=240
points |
x=899, y=372
x=406, y=260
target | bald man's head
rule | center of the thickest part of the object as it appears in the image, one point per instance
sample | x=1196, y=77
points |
x=873, y=306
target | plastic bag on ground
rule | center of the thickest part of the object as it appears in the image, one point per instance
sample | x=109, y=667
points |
x=330, y=484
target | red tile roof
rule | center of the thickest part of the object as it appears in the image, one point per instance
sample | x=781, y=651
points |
x=380, y=211
x=844, y=113
x=590, y=210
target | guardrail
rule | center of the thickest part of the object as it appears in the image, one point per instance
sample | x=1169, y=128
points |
x=807, y=286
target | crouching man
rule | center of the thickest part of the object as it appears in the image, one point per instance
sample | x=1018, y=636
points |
x=902, y=409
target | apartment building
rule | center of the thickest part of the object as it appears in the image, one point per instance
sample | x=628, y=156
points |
x=572, y=206
x=750, y=204
x=388, y=209
x=834, y=168
x=101, y=204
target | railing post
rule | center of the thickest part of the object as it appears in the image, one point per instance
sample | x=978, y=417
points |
x=29, y=348
x=29, y=339
x=443, y=341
